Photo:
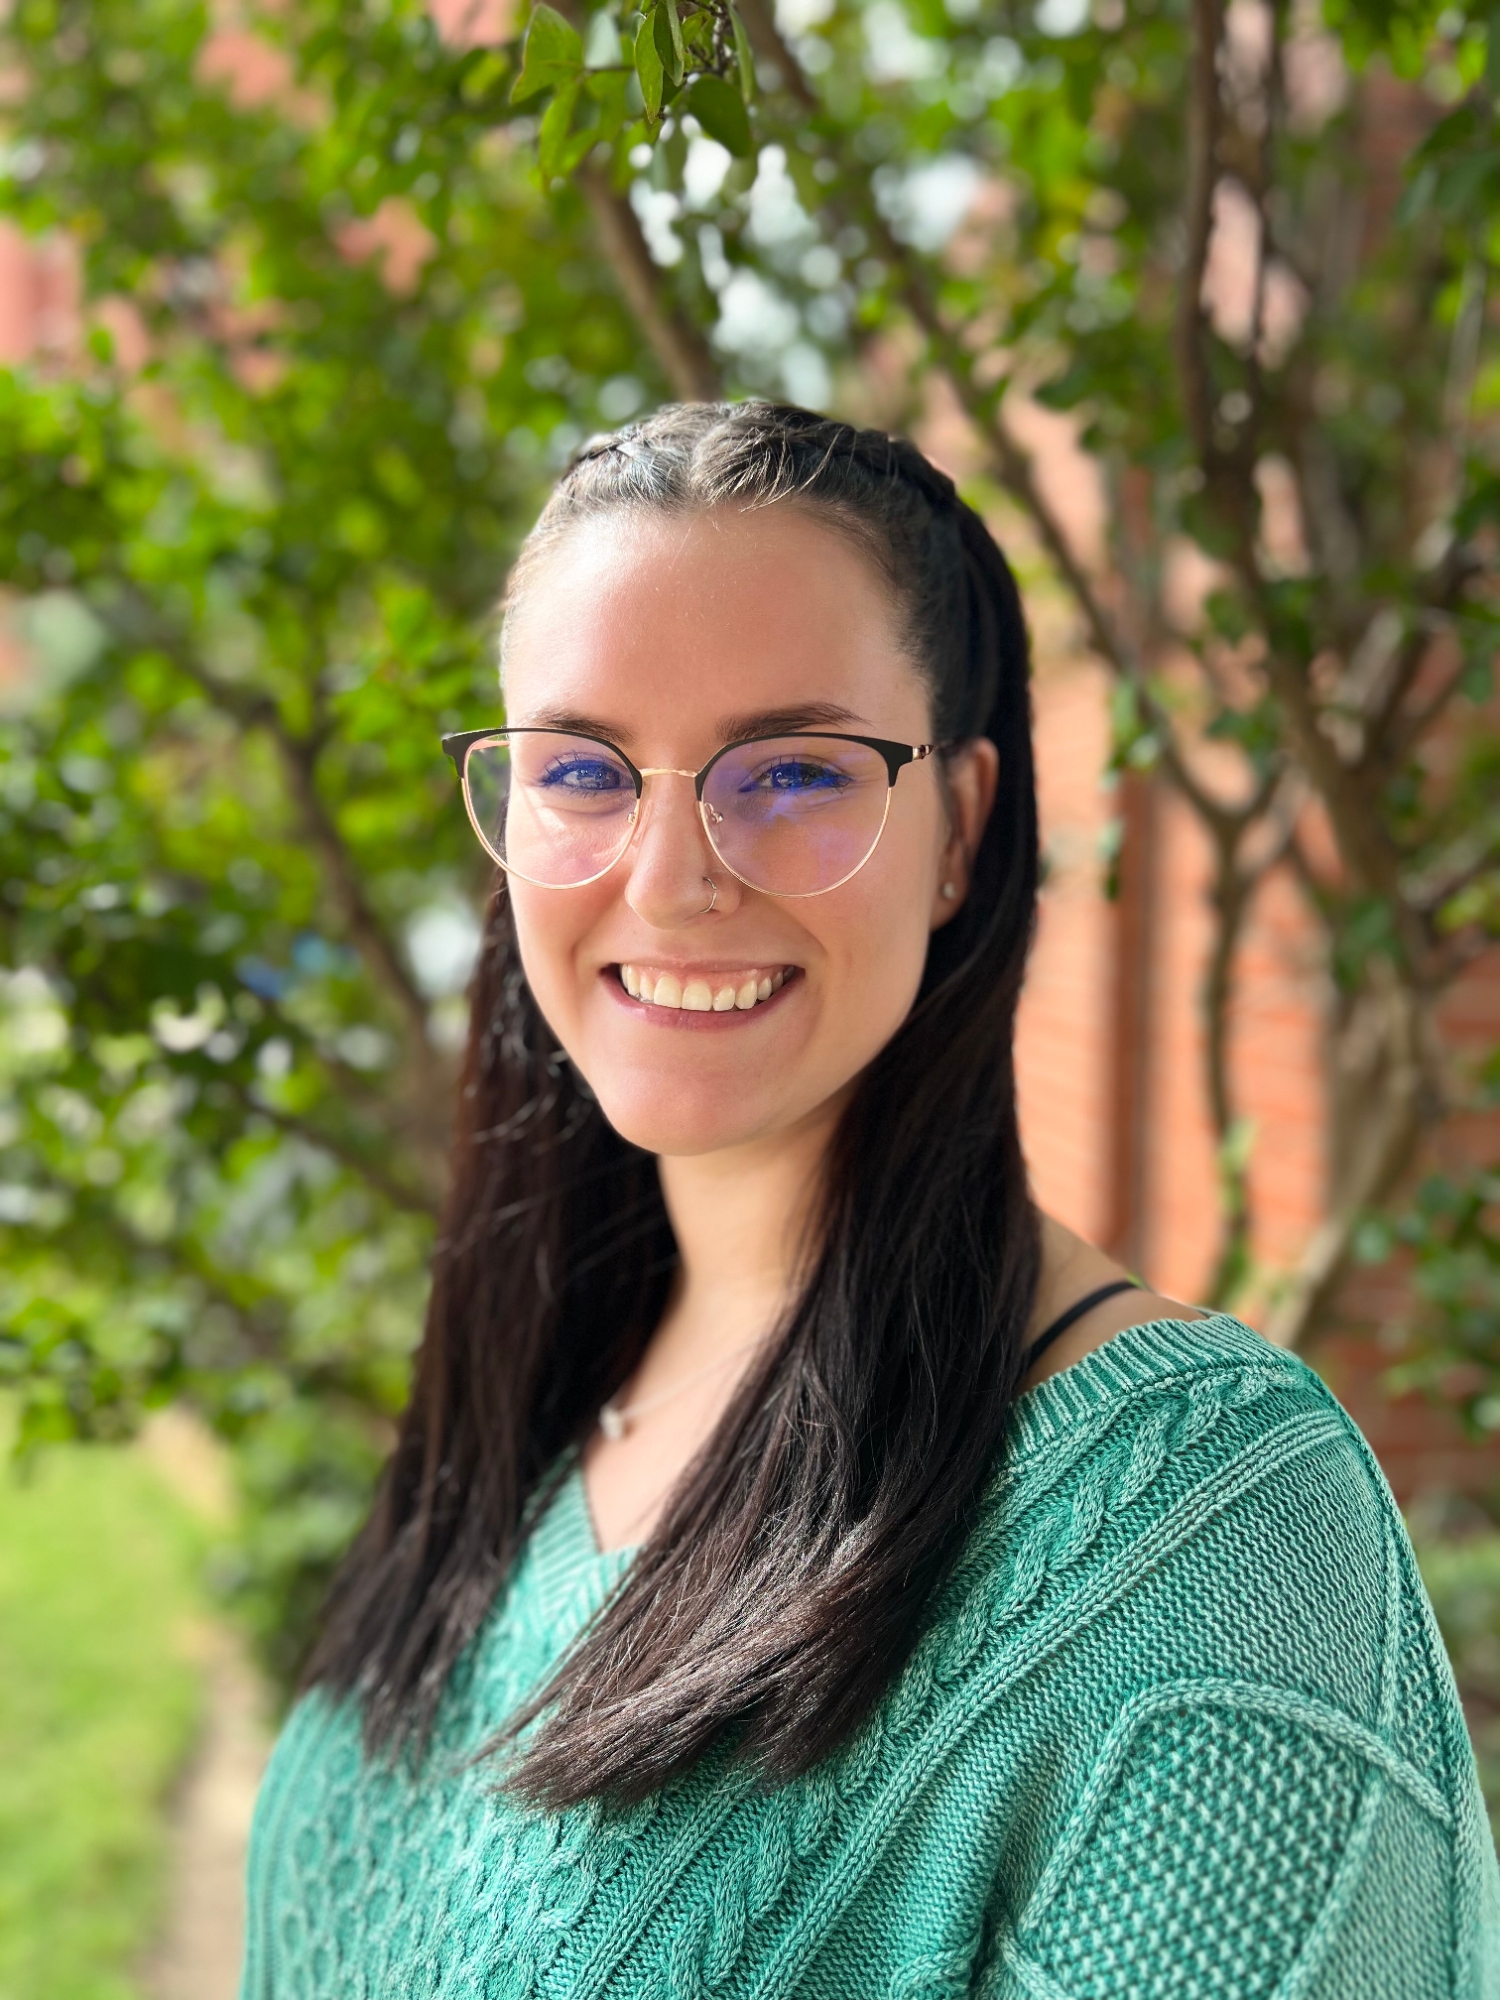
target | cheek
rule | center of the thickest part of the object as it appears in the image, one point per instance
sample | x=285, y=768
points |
x=865, y=948
x=876, y=936
x=550, y=927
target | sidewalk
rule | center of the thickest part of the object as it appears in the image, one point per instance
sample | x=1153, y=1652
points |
x=197, y=1956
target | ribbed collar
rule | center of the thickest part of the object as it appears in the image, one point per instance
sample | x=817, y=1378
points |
x=1158, y=1350
x=572, y=1574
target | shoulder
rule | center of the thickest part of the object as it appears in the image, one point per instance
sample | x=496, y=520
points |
x=1159, y=1390
x=1190, y=1624
x=1171, y=1410
x=1196, y=1497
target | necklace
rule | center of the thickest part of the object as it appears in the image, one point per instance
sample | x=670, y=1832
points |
x=616, y=1418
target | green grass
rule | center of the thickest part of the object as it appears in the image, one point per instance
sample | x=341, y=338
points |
x=98, y=1703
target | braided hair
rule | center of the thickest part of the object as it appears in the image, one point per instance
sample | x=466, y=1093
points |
x=942, y=565
x=790, y=1575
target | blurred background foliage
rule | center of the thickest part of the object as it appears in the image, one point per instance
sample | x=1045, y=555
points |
x=354, y=288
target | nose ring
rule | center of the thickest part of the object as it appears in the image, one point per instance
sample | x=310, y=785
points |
x=713, y=895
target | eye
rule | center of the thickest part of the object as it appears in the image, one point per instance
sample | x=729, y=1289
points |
x=583, y=773
x=797, y=774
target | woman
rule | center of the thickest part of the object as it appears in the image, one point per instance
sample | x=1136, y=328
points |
x=803, y=1569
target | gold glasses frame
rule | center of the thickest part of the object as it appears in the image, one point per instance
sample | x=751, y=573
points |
x=460, y=744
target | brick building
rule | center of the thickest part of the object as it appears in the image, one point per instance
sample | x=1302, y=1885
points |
x=1111, y=1060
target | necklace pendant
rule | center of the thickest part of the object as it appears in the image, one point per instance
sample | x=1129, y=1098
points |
x=613, y=1422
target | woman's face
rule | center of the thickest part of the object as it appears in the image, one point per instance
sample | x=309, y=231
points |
x=669, y=638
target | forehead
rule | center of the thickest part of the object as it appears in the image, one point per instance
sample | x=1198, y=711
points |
x=638, y=619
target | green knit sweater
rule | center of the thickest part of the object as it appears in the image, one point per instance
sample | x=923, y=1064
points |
x=1181, y=1725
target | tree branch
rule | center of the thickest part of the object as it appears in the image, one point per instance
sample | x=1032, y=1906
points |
x=766, y=41
x=1202, y=134
x=1014, y=469
x=1359, y=828
x=1272, y=105
x=680, y=349
x=1473, y=855
x=1010, y=461
x=1232, y=893
x=1230, y=896
x=1389, y=1085
x=366, y=932
x=413, y=1201
x=1392, y=736
x=1367, y=850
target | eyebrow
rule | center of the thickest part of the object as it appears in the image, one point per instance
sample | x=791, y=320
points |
x=731, y=729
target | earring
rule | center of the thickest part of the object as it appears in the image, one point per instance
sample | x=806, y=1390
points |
x=950, y=890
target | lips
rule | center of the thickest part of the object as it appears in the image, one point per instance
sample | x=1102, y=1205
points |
x=713, y=990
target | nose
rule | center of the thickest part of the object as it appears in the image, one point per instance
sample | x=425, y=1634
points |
x=670, y=857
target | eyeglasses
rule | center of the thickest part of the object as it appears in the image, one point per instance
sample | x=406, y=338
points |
x=788, y=815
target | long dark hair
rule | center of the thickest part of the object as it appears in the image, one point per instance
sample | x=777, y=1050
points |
x=788, y=1579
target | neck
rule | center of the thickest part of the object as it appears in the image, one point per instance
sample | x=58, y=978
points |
x=740, y=1218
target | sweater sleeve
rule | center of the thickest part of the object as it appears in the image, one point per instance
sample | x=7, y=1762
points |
x=1246, y=1839
x=1236, y=1842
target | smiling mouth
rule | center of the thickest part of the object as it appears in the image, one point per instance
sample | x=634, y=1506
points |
x=707, y=993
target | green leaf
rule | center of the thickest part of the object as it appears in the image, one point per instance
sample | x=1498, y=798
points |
x=1477, y=682
x=697, y=39
x=557, y=121
x=552, y=55
x=607, y=89
x=1228, y=615
x=648, y=67
x=669, y=40
x=743, y=55
x=720, y=110
x=484, y=73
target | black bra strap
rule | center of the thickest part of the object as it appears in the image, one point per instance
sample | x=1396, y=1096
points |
x=1063, y=1321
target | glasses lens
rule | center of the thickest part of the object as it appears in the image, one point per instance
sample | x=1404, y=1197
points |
x=552, y=808
x=796, y=814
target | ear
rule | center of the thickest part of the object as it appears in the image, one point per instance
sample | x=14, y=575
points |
x=971, y=775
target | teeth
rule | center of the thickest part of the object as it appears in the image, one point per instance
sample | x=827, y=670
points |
x=699, y=995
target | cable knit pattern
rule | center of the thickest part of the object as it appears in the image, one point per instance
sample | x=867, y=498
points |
x=1180, y=1726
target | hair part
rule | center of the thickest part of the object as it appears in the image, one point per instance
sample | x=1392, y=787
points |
x=790, y=1574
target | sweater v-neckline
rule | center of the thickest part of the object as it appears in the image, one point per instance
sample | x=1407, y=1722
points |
x=1126, y=1361
x=572, y=1574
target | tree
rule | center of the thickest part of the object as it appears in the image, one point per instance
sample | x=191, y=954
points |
x=1353, y=381
x=257, y=557
x=255, y=525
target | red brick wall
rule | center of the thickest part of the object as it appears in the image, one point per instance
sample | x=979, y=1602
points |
x=1068, y=1014
x=1063, y=1051
x=39, y=296
x=1066, y=1067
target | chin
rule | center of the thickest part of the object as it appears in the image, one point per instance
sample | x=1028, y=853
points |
x=684, y=1123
